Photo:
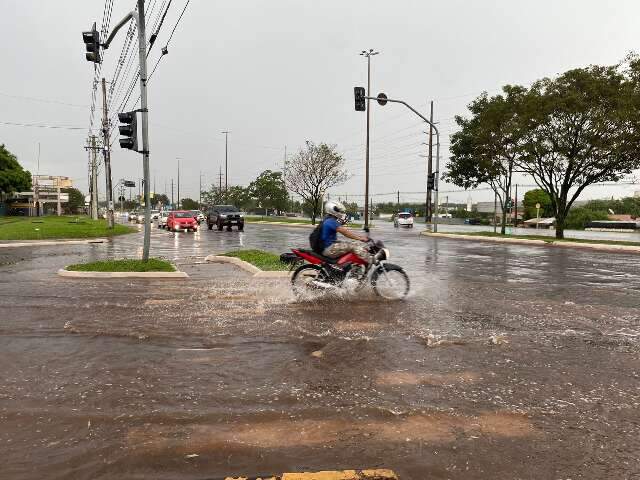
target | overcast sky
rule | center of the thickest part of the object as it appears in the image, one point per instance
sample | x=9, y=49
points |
x=276, y=73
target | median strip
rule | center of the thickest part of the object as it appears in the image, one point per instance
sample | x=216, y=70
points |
x=258, y=263
x=123, y=268
x=551, y=241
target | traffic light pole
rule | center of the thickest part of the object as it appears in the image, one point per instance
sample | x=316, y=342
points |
x=107, y=154
x=142, y=55
x=383, y=101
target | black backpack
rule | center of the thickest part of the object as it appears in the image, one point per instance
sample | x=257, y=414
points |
x=315, y=239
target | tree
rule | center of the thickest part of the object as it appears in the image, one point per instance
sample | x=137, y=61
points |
x=583, y=127
x=236, y=195
x=533, y=197
x=76, y=200
x=312, y=171
x=488, y=144
x=213, y=196
x=161, y=199
x=239, y=196
x=12, y=176
x=189, y=204
x=270, y=191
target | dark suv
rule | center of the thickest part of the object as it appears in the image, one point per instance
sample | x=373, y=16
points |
x=225, y=216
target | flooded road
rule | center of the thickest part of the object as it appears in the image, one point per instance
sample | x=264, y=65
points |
x=506, y=361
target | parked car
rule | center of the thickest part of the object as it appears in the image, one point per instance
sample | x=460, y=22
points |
x=403, y=219
x=181, y=221
x=155, y=214
x=472, y=221
x=225, y=216
x=162, y=219
x=198, y=215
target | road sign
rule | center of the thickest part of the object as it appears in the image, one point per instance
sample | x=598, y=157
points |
x=537, y=205
x=64, y=197
x=129, y=183
x=382, y=99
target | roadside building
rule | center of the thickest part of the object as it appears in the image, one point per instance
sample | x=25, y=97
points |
x=45, y=197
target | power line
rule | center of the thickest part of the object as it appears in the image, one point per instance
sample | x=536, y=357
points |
x=42, y=125
x=44, y=100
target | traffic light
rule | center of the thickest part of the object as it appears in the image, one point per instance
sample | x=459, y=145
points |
x=358, y=93
x=431, y=181
x=129, y=130
x=92, y=44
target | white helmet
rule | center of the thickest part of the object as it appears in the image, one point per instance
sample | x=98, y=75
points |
x=336, y=209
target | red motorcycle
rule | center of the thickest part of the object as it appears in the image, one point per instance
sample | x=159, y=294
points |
x=388, y=280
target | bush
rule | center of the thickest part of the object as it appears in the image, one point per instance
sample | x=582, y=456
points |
x=580, y=216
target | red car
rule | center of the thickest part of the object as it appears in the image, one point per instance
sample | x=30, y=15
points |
x=181, y=220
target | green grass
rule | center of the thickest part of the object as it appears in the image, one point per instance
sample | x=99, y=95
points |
x=124, y=265
x=53, y=227
x=259, y=258
x=545, y=238
x=301, y=221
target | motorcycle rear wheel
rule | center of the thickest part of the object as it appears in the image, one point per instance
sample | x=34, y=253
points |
x=303, y=276
x=390, y=282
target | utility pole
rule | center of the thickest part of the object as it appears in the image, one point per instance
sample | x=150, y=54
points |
x=515, y=220
x=36, y=186
x=106, y=151
x=226, y=162
x=495, y=211
x=172, y=206
x=220, y=180
x=178, y=184
x=94, y=179
x=430, y=167
x=367, y=54
x=398, y=201
x=200, y=192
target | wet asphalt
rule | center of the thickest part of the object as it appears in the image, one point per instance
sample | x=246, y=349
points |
x=505, y=361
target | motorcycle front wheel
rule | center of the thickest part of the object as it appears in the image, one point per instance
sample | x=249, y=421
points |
x=390, y=282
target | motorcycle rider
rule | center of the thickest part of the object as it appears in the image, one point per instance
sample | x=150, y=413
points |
x=334, y=224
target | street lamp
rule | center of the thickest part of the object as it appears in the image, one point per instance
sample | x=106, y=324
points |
x=226, y=166
x=367, y=54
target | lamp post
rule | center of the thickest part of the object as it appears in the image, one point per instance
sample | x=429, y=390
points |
x=226, y=164
x=368, y=54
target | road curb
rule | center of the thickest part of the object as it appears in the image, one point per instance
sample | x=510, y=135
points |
x=247, y=267
x=544, y=243
x=73, y=274
x=372, y=474
x=287, y=224
x=48, y=243
x=281, y=224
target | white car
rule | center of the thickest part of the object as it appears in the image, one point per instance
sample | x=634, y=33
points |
x=403, y=219
x=162, y=219
x=154, y=214
x=199, y=216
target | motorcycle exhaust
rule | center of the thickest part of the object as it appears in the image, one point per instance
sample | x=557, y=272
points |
x=321, y=285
